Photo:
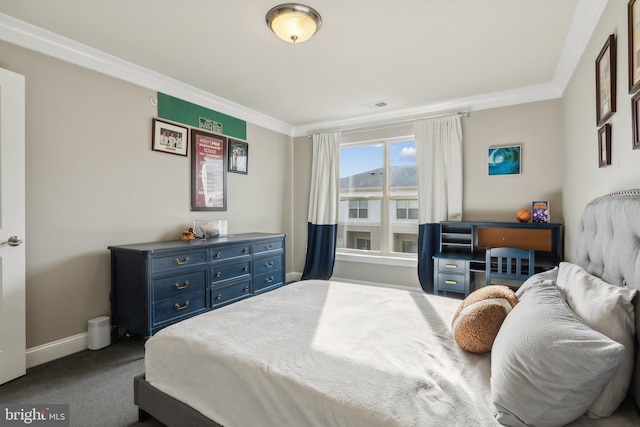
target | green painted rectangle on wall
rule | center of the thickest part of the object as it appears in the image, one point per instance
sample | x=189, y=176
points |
x=178, y=110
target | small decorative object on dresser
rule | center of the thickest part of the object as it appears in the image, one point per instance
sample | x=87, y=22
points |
x=206, y=228
x=188, y=234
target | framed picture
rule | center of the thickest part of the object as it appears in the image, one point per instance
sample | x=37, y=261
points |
x=238, y=154
x=208, y=171
x=633, y=15
x=604, y=145
x=635, y=119
x=505, y=160
x=169, y=138
x=606, y=81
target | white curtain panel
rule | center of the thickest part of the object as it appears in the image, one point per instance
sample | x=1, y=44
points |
x=325, y=179
x=439, y=164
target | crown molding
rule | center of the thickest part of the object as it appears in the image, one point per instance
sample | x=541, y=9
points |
x=584, y=22
x=475, y=103
x=40, y=40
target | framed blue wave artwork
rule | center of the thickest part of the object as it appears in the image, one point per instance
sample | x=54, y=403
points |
x=506, y=160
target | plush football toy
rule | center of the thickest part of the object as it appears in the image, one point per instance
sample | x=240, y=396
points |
x=479, y=317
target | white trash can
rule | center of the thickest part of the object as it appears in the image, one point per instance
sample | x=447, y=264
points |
x=99, y=332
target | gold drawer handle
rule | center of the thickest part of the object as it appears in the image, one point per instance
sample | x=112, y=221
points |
x=177, y=261
x=450, y=282
x=268, y=264
x=178, y=287
x=218, y=297
x=178, y=307
x=268, y=246
x=218, y=274
x=268, y=279
x=451, y=266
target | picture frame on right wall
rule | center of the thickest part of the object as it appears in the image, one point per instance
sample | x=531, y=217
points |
x=606, y=81
x=633, y=27
x=635, y=120
x=604, y=145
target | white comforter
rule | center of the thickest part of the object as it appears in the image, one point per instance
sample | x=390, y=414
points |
x=318, y=353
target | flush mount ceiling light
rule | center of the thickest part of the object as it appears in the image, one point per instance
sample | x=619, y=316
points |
x=294, y=23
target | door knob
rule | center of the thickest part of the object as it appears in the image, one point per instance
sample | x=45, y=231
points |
x=13, y=241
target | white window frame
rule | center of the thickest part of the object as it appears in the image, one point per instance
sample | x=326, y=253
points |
x=386, y=254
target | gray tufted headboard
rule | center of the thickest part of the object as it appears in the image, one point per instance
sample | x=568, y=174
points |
x=608, y=240
x=608, y=246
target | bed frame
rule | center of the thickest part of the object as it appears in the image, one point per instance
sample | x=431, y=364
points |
x=607, y=245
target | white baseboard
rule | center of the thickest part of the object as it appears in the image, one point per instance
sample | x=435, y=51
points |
x=54, y=350
x=293, y=276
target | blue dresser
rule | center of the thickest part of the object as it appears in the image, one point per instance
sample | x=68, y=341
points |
x=156, y=284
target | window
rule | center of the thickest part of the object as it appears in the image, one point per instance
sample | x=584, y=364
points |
x=378, y=198
x=407, y=209
x=358, y=208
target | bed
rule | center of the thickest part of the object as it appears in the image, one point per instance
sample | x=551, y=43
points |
x=326, y=353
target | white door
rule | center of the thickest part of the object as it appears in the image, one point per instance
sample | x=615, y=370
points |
x=12, y=227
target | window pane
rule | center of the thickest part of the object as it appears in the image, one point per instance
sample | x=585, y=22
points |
x=404, y=178
x=405, y=243
x=404, y=226
x=363, y=232
x=361, y=169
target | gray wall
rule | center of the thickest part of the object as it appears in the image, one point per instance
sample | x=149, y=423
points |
x=93, y=181
x=582, y=179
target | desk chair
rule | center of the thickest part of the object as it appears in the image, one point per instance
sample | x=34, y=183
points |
x=509, y=264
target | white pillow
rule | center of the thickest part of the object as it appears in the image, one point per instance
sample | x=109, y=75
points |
x=547, y=366
x=609, y=310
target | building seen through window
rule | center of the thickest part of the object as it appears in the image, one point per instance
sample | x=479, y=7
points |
x=378, y=198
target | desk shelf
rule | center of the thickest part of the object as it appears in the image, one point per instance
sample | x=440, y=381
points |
x=464, y=245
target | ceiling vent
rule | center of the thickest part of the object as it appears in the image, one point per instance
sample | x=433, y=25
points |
x=375, y=105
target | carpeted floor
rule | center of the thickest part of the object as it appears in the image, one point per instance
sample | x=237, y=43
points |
x=97, y=385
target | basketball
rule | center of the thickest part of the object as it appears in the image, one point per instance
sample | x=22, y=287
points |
x=523, y=215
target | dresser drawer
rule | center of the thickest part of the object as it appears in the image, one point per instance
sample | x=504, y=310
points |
x=231, y=270
x=452, y=265
x=267, y=246
x=219, y=254
x=267, y=264
x=451, y=282
x=267, y=280
x=180, y=306
x=180, y=260
x=180, y=284
x=225, y=294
